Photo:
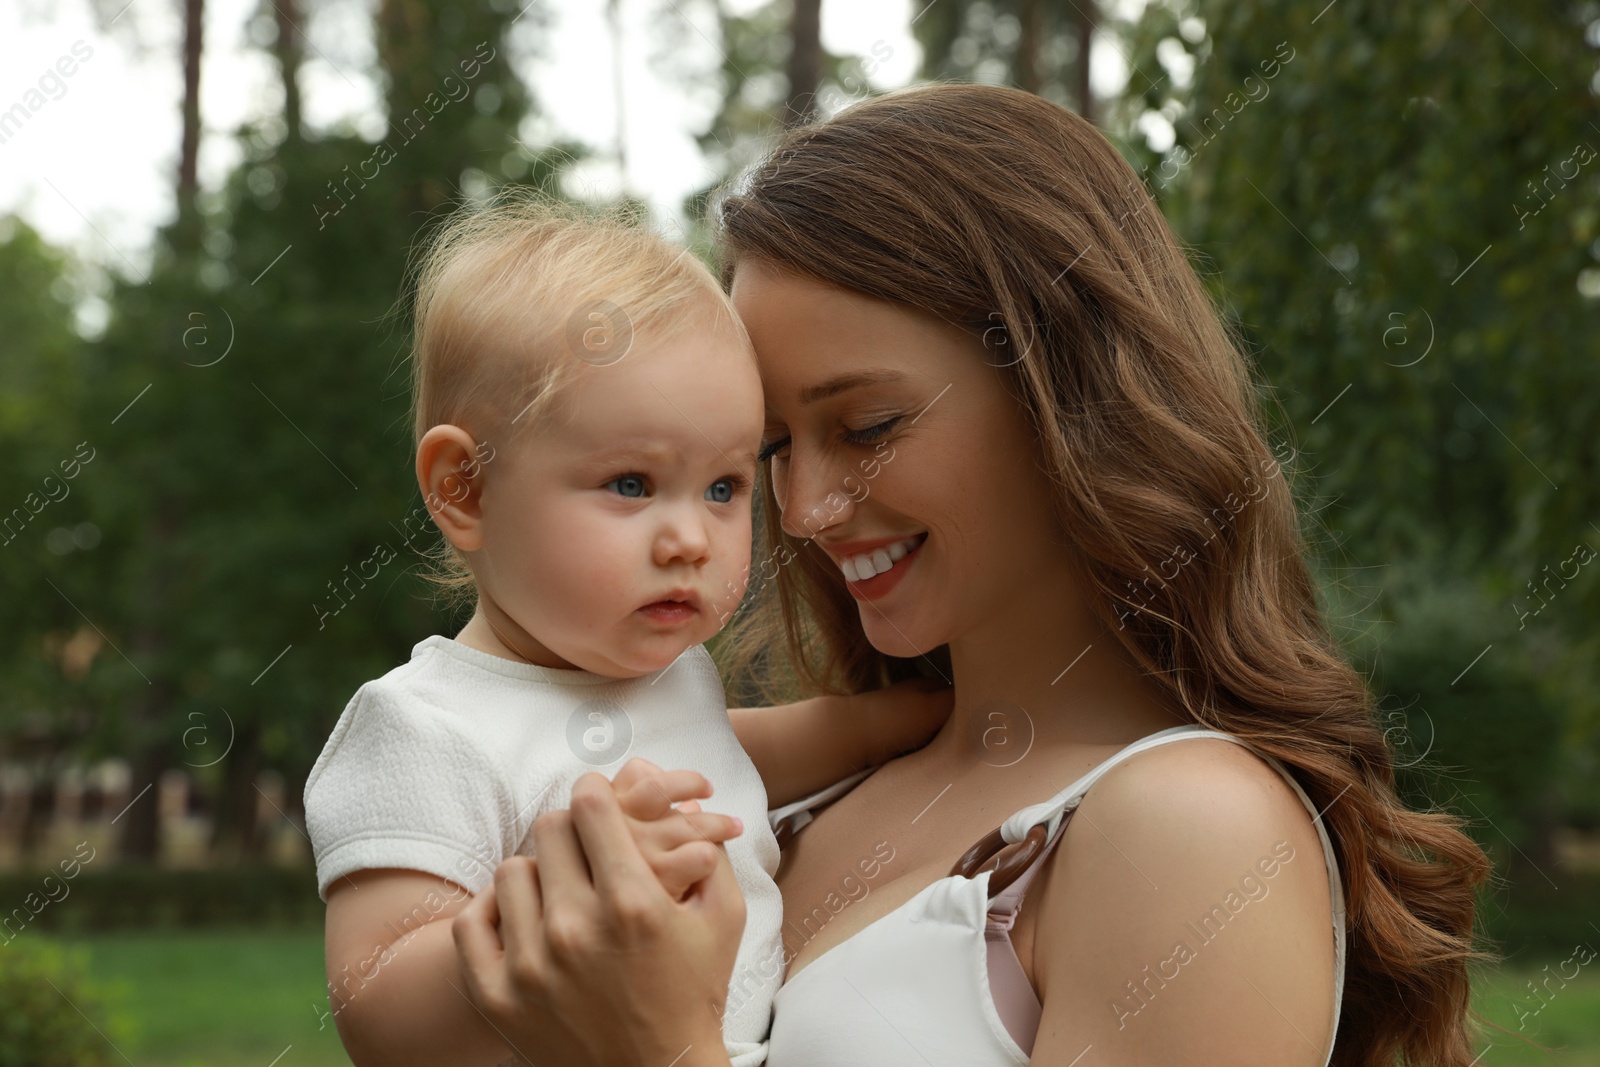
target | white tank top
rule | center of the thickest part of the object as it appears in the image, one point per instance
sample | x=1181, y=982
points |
x=936, y=981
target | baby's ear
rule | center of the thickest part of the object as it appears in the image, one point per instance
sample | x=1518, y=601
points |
x=450, y=477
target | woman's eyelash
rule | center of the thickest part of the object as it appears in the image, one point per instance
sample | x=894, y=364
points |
x=871, y=433
x=864, y=436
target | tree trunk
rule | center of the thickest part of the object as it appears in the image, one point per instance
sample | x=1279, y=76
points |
x=141, y=822
x=1030, y=39
x=1086, y=19
x=150, y=730
x=290, y=50
x=805, y=62
x=37, y=815
x=406, y=32
x=188, y=232
x=235, y=833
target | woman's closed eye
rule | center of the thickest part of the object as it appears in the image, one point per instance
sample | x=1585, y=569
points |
x=872, y=433
x=865, y=436
x=770, y=450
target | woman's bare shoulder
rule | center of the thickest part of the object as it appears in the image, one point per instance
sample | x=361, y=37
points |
x=1205, y=785
x=1187, y=917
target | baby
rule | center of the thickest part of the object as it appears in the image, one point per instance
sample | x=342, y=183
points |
x=588, y=417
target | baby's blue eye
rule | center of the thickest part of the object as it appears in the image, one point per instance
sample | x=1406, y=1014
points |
x=721, y=491
x=629, y=485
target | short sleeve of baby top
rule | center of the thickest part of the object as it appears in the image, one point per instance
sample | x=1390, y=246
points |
x=443, y=764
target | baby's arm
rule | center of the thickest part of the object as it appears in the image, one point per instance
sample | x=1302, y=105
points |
x=397, y=993
x=391, y=968
x=804, y=747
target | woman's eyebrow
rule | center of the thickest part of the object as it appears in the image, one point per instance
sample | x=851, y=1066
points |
x=836, y=385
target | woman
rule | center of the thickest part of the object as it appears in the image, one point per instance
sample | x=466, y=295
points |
x=1078, y=521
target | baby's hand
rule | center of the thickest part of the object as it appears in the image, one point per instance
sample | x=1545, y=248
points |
x=681, y=844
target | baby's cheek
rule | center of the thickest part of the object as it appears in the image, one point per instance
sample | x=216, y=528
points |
x=605, y=575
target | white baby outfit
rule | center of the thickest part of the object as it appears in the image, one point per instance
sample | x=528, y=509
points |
x=443, y=764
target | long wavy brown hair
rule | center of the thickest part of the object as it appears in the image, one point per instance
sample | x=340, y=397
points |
x=995, y=209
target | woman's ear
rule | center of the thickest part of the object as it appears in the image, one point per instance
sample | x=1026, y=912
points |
x=450, y=477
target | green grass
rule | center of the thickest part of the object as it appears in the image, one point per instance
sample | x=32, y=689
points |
x=1566, y=1020
x=237, y=999
x=218, y=998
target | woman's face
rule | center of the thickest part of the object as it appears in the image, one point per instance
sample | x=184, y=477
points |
x=896, y=446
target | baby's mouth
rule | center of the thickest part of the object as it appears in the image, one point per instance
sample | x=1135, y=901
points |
x=677, y=606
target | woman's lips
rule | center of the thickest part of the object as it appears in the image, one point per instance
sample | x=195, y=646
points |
x=881, y=584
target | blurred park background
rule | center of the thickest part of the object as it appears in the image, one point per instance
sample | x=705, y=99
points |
x=206, y=443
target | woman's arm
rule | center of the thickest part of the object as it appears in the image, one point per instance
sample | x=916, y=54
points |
x=1185, y=919
x=587, y=957
x=803, y=747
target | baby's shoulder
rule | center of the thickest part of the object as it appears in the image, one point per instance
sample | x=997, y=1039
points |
x=420, y=705
x=398, y=725
x=409, y=692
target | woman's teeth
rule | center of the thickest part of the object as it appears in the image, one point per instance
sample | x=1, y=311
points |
x=860, y=568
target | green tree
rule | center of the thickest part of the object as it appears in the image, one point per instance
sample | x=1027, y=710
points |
x=1042, y=46
x=44, y=520
x=262, y=476
x=1398, y=202
x=773, y=73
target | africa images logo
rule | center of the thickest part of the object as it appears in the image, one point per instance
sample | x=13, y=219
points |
x=599, y=732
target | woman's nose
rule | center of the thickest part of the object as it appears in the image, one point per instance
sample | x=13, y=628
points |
x=812, y=498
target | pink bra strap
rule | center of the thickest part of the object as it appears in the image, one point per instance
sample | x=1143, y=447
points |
x=1014, y=999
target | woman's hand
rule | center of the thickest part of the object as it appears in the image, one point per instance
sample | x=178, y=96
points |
x=584, y=959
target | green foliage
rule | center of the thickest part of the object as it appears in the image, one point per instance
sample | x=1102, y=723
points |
x=49, y=1010
x=1355, y=183
x=1345, y=208
x=249, y=403
x=139, y=897
x=1533, y=917
x=40, y=341
x=752, y=82
x=1028, y=43
x=1474, y=727
x=41, y=509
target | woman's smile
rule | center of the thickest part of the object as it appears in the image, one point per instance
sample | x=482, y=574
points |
x=873, y=568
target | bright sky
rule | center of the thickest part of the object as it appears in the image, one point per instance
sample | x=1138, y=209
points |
x=92, y=167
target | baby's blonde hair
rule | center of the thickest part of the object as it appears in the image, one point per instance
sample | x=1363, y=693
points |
x=512, y=296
